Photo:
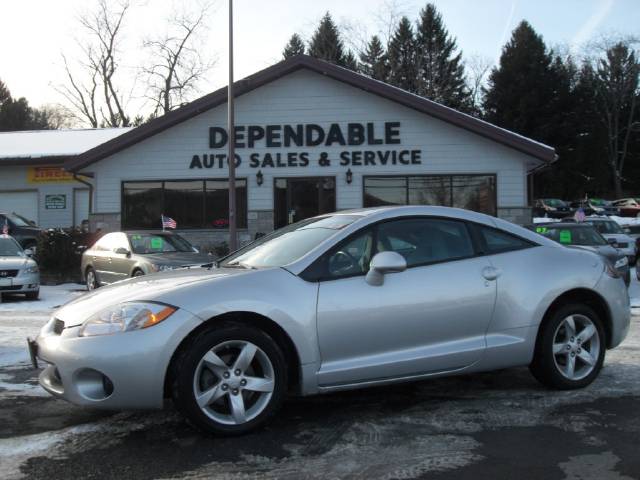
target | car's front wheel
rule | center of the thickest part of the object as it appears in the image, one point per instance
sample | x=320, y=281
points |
x=91, y=279
x=230, y=380
x=570, y=348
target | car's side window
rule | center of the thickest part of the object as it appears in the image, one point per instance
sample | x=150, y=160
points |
x=497, y=241
x=104, y=244
x=119, y=241
x=425, y=240
x=352, y=257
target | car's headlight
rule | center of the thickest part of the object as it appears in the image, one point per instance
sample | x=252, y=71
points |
x=621, y=262
x=125, y=317
x=32, y=269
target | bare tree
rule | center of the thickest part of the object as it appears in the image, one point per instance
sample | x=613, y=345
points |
x=91, y=86
x=176, y=64
x=616, y=82
x=478, y=67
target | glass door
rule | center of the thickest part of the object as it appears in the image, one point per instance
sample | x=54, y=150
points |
x=298, y=198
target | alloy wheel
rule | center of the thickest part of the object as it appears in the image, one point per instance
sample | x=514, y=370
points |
x=91, y=280
x=234, y=382
x=576, y=347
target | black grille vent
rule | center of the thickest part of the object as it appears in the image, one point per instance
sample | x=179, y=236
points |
x=8, y=273
x=58, y=326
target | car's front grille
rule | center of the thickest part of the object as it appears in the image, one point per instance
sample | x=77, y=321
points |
x=8, y=273
x=58, y=326
x=623, y=245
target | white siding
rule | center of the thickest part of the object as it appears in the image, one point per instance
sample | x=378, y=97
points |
x=306, y=97
x=14, y=179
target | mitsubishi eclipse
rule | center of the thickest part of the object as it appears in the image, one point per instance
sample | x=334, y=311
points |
x=341, y=301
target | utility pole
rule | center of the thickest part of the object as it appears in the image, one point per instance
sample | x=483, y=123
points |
x=231, y=157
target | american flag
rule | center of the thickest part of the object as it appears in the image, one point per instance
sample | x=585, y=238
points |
x=5, y=227
x=168, y=222
x=579, y=216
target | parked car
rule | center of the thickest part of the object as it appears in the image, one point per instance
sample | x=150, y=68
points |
x=120, y=255
x=18, y=271
x=595, y=206
x=614, y=234
x=340, y=301
x=551, y=207
x=24, y=231
x=629, y=207
x=585, y=236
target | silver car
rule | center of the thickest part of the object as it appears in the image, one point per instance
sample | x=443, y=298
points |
x=341, y=301
x=18, y=271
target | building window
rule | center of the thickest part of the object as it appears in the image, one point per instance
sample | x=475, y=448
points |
x=191, y=203
x=472, y=192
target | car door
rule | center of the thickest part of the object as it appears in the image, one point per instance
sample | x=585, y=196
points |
x=430, y=318
x=120, y=263
x=100, y=258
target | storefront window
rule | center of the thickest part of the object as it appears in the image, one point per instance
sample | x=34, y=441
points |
x=191, y=203
x=472, y=192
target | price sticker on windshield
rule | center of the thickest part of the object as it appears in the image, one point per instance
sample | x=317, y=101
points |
x=565, y=236
x=156, y=243
x=541, y=229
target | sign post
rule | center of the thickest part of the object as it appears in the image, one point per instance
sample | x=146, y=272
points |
x=233, y=240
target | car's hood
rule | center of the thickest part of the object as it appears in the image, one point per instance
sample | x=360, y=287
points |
x=176, y=259
x=147, y=287
x=15, y=263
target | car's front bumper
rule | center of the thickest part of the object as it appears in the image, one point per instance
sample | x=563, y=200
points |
x=119, y=371
x=617, y=298
x=22, y=283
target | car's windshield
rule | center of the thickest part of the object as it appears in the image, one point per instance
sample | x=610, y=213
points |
x=9, y=248
x=584, y=235
x=554, y=202
x=147, y=243
x=607, y=226
x=19, y=221
x=288, y=244
x=598, y=202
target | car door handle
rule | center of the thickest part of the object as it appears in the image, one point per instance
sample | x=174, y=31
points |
x=491, y=273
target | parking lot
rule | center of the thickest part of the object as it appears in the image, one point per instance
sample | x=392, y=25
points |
x=489, y=425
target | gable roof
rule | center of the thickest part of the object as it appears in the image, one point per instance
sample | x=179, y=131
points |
x=35, y=147
x=525, y=145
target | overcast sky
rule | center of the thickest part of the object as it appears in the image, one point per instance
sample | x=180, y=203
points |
x=34, y=33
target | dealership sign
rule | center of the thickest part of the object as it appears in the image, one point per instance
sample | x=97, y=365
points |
x=49, y=175
x=377, y=146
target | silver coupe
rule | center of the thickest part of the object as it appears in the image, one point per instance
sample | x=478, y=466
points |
x=341, y=301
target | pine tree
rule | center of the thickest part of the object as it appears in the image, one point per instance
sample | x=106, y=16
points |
x=294, y=47
x=402, y=57
x=521, y=91
x=350, y=61
x=373, y=61
x=16, y=114
x=326, y=43
x=440, y=69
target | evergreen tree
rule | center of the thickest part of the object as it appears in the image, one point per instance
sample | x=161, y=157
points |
x=402, y=57
x=373, y=61
x=440, y=69
x=521, y=91
x=326, y=43
x=349, y=61
x=294, y=47
x=16, y=114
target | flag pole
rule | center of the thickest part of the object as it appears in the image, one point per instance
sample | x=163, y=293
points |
x=233, y=240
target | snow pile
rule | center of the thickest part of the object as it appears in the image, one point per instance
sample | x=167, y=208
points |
x=51, y=297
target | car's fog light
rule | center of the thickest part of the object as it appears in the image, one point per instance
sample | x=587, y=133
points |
x=93, y=385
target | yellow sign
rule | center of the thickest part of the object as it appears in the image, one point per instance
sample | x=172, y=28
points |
x=49, y=175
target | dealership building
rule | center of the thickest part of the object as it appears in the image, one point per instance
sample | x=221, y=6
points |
x=310, y=138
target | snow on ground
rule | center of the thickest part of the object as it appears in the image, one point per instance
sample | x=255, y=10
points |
x=21, y=318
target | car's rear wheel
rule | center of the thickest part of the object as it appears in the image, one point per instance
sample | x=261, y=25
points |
x=91, y=279
x=230, y=380
x=138, y=273
x=570, y=348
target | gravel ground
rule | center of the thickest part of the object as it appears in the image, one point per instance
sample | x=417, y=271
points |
x=493, y=425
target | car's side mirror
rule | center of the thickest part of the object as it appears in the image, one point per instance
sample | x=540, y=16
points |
x=29, y=252
x=122, y=251
x=383, y=263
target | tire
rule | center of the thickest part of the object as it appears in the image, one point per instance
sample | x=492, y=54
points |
x=553, y=370
x=33, y=295
x=137, y=273
x=216, y=382
x=91, y=279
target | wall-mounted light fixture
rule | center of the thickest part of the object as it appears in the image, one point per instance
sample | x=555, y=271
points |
x=259, y=178
x=349, y=176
